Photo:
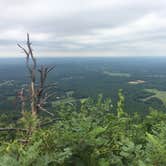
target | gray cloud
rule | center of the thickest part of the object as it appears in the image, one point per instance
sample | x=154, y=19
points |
x=115, y=27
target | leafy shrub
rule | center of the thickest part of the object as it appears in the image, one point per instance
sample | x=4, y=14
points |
x=91, y=136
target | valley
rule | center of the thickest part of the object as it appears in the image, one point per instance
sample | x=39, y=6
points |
x=81, y=78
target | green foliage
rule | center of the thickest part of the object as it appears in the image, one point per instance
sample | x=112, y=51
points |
x=93, y=135
x=156, y=146
x=120, y=104
x=29, y=121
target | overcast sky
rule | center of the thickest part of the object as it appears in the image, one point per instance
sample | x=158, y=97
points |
x=84, y=27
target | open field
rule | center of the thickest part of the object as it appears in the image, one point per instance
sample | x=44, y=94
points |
x=161, y=95
x=114, y=74
x=136, y=82
x=7, y=83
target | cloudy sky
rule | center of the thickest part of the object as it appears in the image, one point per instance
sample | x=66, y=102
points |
x=84, y=27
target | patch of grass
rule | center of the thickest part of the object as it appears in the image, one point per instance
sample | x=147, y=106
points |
x=161, y=95
x=112, y=74
x=11, y=98
x=136, y=82
x=69, y=93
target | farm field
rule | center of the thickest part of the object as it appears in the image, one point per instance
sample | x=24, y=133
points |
x=161, y=95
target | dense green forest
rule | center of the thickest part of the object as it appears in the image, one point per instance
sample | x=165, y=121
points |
x=90, y=121
x=88, y=77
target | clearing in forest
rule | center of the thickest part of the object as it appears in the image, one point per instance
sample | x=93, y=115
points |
x=116, y=74
x=161, y=95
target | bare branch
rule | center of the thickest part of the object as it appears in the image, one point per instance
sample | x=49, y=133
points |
x=30, y=51
x=22, y=99
x=27, y=57
x=44, y=110
x=13, y=129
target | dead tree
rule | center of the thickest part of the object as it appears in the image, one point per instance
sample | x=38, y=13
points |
x=21, y=96
x=38, y=94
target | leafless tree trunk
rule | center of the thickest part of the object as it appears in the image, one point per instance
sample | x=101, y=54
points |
x=22, y=99
x=37, y=94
